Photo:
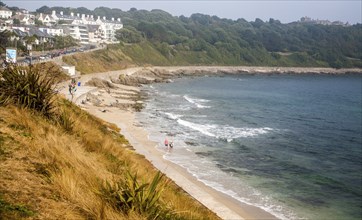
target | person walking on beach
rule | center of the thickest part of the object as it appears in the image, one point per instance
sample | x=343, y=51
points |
x=166, y=142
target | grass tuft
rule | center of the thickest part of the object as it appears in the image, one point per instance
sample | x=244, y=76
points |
x=14, y=211
x=129, y=195
x=27, y=87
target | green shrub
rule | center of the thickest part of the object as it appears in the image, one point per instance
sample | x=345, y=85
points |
x=14, y=211
x=27, y=87
x=65, y=122
x=128, y=195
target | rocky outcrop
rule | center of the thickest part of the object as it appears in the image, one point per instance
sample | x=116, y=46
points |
x=100, y=83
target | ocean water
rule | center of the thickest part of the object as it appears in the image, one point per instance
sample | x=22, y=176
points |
x=289, y=144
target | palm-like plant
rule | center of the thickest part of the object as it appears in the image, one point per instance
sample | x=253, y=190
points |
x=130, y=195
x=27, y=87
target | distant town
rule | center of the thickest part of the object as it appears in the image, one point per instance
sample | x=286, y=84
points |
x=51, y=32
x=87, y=29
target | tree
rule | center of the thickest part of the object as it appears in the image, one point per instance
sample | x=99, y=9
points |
x=2, y=4
x=44, y=9
x=16, y=21
x=128, y=35
x=4, y=39
x=38, y=22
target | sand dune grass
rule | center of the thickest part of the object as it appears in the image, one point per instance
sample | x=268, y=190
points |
x=57, y=169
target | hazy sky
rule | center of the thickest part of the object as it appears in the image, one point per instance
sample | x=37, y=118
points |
x=283, y=10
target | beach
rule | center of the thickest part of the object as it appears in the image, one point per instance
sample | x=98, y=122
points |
x=105, y=97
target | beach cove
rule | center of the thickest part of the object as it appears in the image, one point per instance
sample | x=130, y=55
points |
x=114, y=105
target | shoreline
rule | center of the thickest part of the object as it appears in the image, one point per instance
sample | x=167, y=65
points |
x=223, y=205
x=255, y=70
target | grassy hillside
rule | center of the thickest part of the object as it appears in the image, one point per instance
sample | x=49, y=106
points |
x=99, y=61
x=67, y=164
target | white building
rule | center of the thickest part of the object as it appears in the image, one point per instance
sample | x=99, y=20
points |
x=69, y=69
x=82, y=27
x=78, y=32
x=25, y=19
x=107, y=28
x=5, y=13
x=46, y=19
x=52, y=31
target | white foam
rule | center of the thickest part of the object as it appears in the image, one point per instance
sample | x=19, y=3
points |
x=227, y=133
x=197, y=102
x=173, y=116
x=201, y=128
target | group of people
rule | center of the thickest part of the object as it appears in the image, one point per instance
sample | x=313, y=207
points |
x=168, y=145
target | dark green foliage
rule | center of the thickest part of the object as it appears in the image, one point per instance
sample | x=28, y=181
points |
x=204, y=39
x=27, y=88
x=64, y=42
x=16, y=21
x=5, y=40
x=65, y=122
x=13, y=211
x=128, y=195
x=129, y=35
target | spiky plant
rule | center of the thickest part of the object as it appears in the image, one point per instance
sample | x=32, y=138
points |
x=128, y=195
x=30, y=87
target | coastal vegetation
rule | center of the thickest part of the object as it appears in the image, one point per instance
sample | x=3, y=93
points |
x=209, y=40
x=59, y=162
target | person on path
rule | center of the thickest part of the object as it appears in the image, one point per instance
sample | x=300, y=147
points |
x=72, y=88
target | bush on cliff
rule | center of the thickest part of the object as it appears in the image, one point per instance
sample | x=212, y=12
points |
x=31, y=87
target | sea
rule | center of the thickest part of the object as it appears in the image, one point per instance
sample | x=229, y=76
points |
x=289, y=144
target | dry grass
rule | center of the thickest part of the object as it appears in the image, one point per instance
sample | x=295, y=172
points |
x=99, y=61
x=56, y=174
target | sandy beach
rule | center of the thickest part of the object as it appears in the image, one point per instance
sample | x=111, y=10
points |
x=112, y=102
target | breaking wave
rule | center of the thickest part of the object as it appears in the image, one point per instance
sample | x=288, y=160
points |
x=199, y=103
x=227, y=133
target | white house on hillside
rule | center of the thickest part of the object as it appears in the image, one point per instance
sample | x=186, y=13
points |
x=107, y=29
x=84, y=28
x=53, y=31
x=5, y=13
x=78, y=32
x=46, y=19
x=24, y=19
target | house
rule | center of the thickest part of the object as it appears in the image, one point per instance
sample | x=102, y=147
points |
x=53, y=31
x=78, y=32
x=41, y=36
x=25, y=19
x=92, y=33
x=46, y=19
x=5, y=13
x=19, y=33
x=65, y=18
x=107, y=28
